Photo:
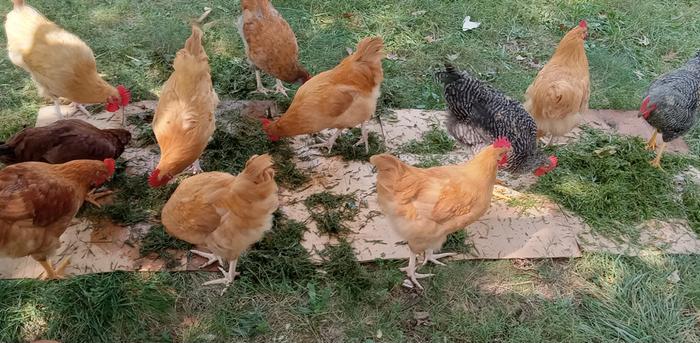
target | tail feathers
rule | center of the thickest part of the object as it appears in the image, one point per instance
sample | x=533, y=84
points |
x=7, y=153
x=194, y=44
x=370, y=50
x=18, y=3
x=258, y=169
x=449, y=75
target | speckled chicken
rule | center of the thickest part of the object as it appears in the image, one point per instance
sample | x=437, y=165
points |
x=64, y=141
x=479, y=113
x=672, y=104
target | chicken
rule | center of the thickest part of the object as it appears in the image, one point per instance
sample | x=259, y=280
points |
x=224, y=213
x=426, y=205
x=672, y=105
x=270, y=45
x=478, y=112
x=63, y=141
x=558, y=96
x=184, y=121
x=38, y=202
x=342, y=97
x=60, y=64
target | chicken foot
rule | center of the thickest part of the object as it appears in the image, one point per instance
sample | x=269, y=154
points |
x=227, y=280
x=196, y=167
x=77, y=107
x=211, y=258
x=657, y=161
x=92, y=197
x=279, y=88
x=57, y=105
x=651, y=144
x=330, y=142
x=411, y=273
x=51, y=273
x=430, y=257
x=260, y=88
x=365, y=137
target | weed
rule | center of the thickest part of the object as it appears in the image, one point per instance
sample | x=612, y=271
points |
x=433, y=141
x=345, y=146
x=330, y=211
x=691, y=201
x=158, y=241
x=599, y=178
x=341, y=266
x=456, y=242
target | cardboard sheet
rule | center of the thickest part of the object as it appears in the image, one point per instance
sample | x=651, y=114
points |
x=536, y=228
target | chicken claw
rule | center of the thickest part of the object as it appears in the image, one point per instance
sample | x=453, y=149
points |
x=79, y=108
x=211, y=258
x=430, y=257
x=55, y=274
x=651, y=144
x=227, y=280
x=196, y=167
x=330, y=142
x=411, y=272
x=92, y=197
x=279, y=88
x=364, y=139
x=260, y=88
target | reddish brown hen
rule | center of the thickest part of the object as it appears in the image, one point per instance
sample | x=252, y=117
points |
x=38, y=202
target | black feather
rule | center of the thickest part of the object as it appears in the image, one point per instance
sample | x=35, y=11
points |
x=7, y=153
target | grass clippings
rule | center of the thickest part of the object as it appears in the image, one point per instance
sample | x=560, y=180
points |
x=435, y=141
x=341, y=266
x=331, y=211
x=345, y=146
x=158, y=241
x=608, y=181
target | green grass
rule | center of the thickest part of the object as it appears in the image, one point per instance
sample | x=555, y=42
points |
x=345, y=146
x=598, y=298
x=599, y=178
x=157, y=241
x=136, y=42
x=331, y=211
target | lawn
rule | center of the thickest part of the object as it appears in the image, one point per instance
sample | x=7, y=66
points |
x=281, y=296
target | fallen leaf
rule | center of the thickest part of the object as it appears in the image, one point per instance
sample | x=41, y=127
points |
x=606, y=151
x=394, y=57
x=379, y=334
x=417, y=13
x=422, y=318
x=430, y=39
x=674, y=278
x=519, y=58
x=349, y=50
x=670, y=56
x=453, y=57
x=639, y=74
x=469, y=25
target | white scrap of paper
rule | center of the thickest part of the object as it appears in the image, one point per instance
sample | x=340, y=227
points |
x=469, y=25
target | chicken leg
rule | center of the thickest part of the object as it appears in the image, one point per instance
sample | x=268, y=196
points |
x=551, y=140
x=260, y=88
x=227, y=280
x=657, y=161
x=77, y=107
x=279, y=88
x=651, y=144
x=411, y=272
x=92, y=197
x=365, y=137
x=330, y=142
x=211, y=258
x=51, y=273
x=196, y=167
x=57, y=105
x=430, y=257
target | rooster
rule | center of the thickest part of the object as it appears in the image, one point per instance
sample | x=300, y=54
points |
x=672, y=105
x=478, y=112
x=64, y=141
x=38, y=202
x=224, y=213
x=342, y=97
x=426, y=205
x=60, y=64
x=558, y=96
x=184, y=120
x=270, y=45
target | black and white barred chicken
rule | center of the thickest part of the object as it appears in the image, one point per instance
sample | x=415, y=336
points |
x=672, y=105
x=479, y=112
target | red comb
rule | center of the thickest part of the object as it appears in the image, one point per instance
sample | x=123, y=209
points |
x=111, y=166
x=554, y=161
x=265, y=122
x=124, y=95
x=153, y=179
x=502, y=142
x=645, y=103
x=583, y=24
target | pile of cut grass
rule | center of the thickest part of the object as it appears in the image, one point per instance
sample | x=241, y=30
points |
x=345, y=146
x=607, y=180
x=238, y=138
x=331, y=211
x=434, y=141
x=341, y=266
